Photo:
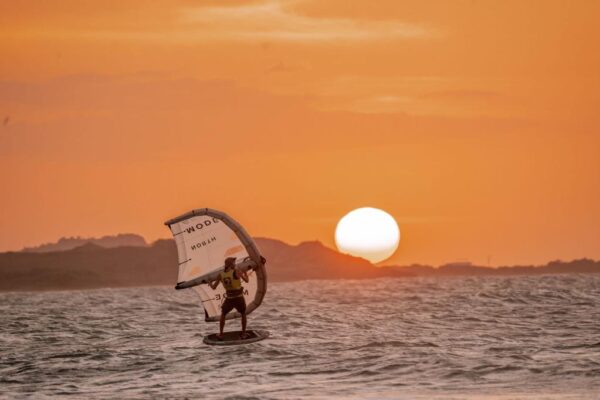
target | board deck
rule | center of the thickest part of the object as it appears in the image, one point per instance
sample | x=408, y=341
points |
x=231, y=338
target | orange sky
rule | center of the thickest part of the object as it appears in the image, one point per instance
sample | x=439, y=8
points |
x=474, y=123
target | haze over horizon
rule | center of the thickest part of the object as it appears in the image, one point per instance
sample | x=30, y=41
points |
x=474, y=125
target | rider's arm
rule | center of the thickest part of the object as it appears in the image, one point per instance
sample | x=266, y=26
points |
x=243, y=275
x=213, y=285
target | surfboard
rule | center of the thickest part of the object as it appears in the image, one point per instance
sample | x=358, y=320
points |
x=232, y=338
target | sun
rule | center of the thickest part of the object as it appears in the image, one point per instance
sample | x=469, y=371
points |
x=369, y=233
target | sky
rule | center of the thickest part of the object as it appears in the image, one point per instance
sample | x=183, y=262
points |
x=474, y=123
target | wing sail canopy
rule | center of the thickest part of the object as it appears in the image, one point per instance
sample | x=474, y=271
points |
x=204, y=239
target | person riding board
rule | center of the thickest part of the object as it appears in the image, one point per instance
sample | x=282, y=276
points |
x=234, y=298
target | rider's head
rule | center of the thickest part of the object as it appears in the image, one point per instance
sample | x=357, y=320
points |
x=229, y=263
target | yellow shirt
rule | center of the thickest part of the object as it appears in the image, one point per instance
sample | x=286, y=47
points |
x=230, y=281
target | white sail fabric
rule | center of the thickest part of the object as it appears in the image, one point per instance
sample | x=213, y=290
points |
x=205, y=238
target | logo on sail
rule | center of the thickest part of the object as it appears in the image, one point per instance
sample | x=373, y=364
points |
x=200, y=225
x=203, y=243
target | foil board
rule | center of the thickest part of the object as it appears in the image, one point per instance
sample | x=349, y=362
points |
x=233, y=338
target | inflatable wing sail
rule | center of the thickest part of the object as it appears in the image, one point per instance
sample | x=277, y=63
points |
x=205, y=238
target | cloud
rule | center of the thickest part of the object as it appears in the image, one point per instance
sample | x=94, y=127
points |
x=464, y=94
x=267, y=21
x=276, y=21
x=281, y=67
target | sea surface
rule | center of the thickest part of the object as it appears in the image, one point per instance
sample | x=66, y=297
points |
x=448, y=338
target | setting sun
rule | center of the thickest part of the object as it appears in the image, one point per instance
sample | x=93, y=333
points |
x=369, y=233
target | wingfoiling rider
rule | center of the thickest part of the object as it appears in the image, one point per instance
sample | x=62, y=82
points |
x=231, y=279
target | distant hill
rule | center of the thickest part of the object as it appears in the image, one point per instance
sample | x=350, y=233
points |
x=92, y=265
x=64, y=244
x=581, y=266
x=312, y=260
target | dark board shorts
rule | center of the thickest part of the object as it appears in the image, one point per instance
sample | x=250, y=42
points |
x=234, y=302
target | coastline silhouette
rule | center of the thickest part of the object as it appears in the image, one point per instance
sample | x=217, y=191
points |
x=91, y=265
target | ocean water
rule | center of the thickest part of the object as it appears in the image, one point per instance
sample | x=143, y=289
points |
x=453, y=338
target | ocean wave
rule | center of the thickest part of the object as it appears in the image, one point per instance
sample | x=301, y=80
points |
x=382, y=338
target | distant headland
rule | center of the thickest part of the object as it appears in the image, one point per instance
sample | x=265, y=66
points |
x=69, y=243
x=127, y=260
